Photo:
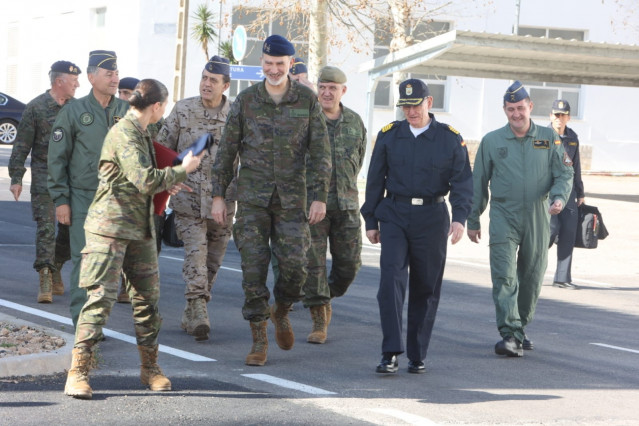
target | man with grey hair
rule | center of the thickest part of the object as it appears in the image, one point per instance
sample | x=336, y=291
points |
x=74, y=153
x=33, y=137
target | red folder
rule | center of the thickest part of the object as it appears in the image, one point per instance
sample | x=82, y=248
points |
x=164, y=158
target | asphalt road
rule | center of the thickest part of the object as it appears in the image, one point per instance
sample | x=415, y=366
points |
x=584, y=369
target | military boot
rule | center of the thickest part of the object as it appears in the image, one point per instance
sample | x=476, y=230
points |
x=77, y=384
x=186, y=316
x=57, y=284
x=283, y=331
x=329, y=313
x=123, y=296
x=150, y=372
x=199, y=326
x=257, y=356
x=318, y=314
x=45, y=294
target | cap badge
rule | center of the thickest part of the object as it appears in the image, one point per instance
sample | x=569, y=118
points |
x=409, y=90
x=560, y=104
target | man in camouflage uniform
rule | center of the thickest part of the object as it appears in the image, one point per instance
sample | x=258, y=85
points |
x=204, y=240
x=74, y=151
x=273, y=125
x=341, y=226
x=33, y=137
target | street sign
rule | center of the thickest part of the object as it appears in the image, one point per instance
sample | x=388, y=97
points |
x=238, y=44
x=246, y=72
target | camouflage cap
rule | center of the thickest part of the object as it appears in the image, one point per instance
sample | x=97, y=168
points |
x=330, y=74
x=65, y=67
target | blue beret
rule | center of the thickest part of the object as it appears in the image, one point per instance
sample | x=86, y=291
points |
x=515, y=93
x=299, y=66
x=218, y=65
x=276, y=45
x=128, y=83
x=204, y=142
x=103, y=59
x=66, y=67
x=561, y=106
x=412, y=92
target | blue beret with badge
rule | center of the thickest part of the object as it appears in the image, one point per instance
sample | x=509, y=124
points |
x=276, y=45
x=515, y=93
x=299, y=66
x=204, y=142
x=561, y=106
x=218, y=65
x=412, y=92
x=128, y=83
x=103, y=59
x=65, y=67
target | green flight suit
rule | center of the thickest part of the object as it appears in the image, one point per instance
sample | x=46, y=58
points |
x=74, y=151
x=523, y=173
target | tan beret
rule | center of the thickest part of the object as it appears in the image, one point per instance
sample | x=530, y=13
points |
x=330, y=74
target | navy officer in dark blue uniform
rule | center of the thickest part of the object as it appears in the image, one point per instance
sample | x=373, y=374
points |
x=563, y=226
x=415, y=163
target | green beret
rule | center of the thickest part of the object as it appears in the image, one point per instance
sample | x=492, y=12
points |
x=330, y=74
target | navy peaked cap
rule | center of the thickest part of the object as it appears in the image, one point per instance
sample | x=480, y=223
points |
x=412, y=92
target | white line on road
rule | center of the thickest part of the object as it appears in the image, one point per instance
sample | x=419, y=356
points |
x=407, y=417
x=182, y=260
x=619, y=348
x=107, y=332
x=288, y=384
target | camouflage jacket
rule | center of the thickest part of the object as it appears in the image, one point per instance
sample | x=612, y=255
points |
x=128, y=178
x=273, y=142
x=76, y=142
x=188, y=121
x=33, y=137
x=348, y=147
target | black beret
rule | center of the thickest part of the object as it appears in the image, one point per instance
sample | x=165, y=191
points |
x=276, y=45
x=66, y=67
x=515, y=93
x=218, y=65
x=103, y=59
x=412, y=92
x=128, y=83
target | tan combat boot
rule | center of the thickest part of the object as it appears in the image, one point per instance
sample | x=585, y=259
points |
x=186, y=316
x=123, y=296
x=318, y=314
x=150, y=372
x=56, y=278
x=283, y=331
x=77, y=384
x=199, y=326
x=257, y=356
x=45, y=294
x=329, y=313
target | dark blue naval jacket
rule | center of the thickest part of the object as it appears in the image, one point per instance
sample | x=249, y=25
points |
x=570, y=141
x=432, y=164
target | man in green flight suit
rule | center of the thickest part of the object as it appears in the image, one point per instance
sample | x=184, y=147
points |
x=74, y=152
x=524, y=164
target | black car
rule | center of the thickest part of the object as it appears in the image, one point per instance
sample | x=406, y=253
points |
x=10, y=114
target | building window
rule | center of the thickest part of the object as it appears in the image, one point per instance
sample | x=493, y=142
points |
x=436, y=83
x=544, y=93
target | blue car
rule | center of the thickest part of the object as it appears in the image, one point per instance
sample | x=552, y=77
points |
x=10, y=114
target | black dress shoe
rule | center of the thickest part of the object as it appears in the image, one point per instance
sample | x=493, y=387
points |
x=568, y=286
x=509, y=346
x=388, y=364
x=527, y=344
x=416, y=367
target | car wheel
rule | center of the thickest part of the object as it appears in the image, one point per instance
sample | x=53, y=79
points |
x=8, y=131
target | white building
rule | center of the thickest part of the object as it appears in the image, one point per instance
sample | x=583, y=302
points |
x=36, y=33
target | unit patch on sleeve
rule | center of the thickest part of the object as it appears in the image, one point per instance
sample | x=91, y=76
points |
x=567, y=160
x=541, y=144
x=57, y=135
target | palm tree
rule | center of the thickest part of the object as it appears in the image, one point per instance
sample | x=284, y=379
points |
x=226, y=50
x=203, y=31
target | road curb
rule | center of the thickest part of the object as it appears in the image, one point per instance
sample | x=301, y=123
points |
x=43, y=363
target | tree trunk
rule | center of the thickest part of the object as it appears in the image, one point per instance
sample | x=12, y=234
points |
x=317, y=39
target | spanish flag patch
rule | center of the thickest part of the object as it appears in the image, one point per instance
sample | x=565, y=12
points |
x=558, y=142
x=463, y=143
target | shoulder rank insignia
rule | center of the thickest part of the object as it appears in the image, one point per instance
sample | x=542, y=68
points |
x=389, y=126
x=452, y=129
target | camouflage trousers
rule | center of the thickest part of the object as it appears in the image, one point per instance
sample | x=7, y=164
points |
x=343, y=230
x=204, y=247
x=288, y=233
x=103, y=260
x=51, y=250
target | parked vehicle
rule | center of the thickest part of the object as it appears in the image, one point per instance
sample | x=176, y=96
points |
x=10, y=114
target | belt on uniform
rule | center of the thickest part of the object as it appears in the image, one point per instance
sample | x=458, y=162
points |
x=416, y=201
